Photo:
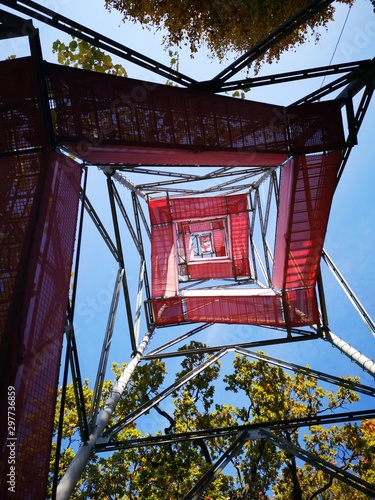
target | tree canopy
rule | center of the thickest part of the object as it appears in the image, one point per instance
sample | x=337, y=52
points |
x=257, y=392
x=81, y=54
x=223, y=26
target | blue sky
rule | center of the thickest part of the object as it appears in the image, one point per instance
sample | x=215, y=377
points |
x=350, y=239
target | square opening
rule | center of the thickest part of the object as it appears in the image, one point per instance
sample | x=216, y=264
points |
x=202, y=240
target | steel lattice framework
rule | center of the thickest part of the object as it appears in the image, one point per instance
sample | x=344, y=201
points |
x=161, y=166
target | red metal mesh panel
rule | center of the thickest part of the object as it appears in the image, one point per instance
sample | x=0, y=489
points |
x=210, y=269
x=185, y=250
x=198, y=208
x=237, y=203
x=197, y=227
x=160, y=212
x=208, y=206
x=302, y=307
x=219, y=243
x=167, y=311
x=163, y=261
x=34, y=336
x=287, y=188
x=307, y=188
x=212, y=241
x=20, y=186
x=21, y=118
x=254, y=310
x=107, y=109
x=224, y=262
x=262, y=307
x=239, y=228
x=316, y=127
x=93, y=150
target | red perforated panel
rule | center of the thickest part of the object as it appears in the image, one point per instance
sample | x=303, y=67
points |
x=167, y=311
x=164, y=262
x=262, y=307
x=210, y=270
x=103, y=109
x=160, y=211
x=218, y=227
x=316, y=127
x=306, y=192
x=21, y=118
x=239, y=226
x=20, y=188
x=45, y=211
x=302, y=307
x=255, y=310
x=107, y=119
x=208, y=206
x=94, y=151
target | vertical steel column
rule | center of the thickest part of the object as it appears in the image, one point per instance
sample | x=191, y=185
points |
x=79, y=244
x=79, y=462
x=138, y=305
x=61, y=421
x=350, y=294
x=323, y=305
x=122, y=262
x=264, y=235
x=95, y=403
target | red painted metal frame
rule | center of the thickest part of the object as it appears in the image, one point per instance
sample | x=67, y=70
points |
x=40, y=222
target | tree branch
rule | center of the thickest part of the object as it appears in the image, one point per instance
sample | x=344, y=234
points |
x=322, y=489
x=168, y=417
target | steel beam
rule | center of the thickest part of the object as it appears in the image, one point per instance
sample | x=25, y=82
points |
x=365, y=78
x=292, y=76
x=319, y=463
x=77, y=466
x=355, y=125
x=367, y=364
x=323, y=306
x=224, y=432
x=218, y=466
x=349, y=293
x=111, y=191
x=263, y=230
x=244, y=345
x=309, y=372
x=13, y=26
x=138, y=305
x=176, y=340
x=102, y=366
x=61, y=421
x=76, y=374
x=143, y=217
x=99, y=225
x=311, y=9
x=78, y=248
x=52, y=18
x=163, y=394
x=182, y=178
x=127, y=219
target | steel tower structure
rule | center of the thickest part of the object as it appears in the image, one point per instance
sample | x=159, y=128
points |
x=220, y=205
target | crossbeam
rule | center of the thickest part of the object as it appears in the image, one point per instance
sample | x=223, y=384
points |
x=62, y=23
x=310, y=10
x=214, y=433
x=353, y=68
x=319, y=463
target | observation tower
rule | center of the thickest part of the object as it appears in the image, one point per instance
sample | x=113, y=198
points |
x=218, y=206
